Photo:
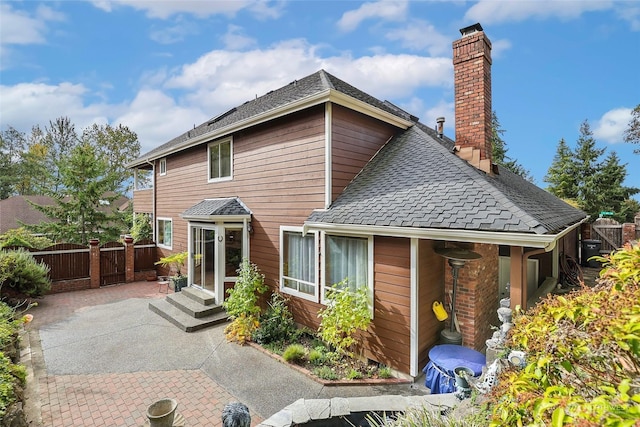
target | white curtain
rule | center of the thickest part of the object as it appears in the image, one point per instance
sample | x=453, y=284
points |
x=300, y=261
x=347, y=258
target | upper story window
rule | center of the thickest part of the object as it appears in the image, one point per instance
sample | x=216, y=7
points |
x=163, y=167
x=299, y=263
x=220, y=160
x=164, y=232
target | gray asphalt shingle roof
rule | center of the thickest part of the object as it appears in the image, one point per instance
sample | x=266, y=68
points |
x=313, y=84
x=416, y=181
x=231, y=206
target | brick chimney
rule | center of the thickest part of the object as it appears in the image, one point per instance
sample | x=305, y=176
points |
x=472, y=81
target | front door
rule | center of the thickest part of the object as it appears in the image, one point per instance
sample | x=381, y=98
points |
x=216, y=253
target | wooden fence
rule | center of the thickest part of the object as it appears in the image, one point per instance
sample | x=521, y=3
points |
x=76, y=267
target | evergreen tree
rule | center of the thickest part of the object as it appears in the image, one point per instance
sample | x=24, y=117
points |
x=499, y=150
x=632, y=133
x=11, y=145
x=561, y=175
x=595, y=185
x=80, y=211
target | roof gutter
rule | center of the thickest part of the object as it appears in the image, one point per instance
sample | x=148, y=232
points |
x=329, y=95
x=544, y=241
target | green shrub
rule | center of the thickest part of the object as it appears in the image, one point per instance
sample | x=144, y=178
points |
x=384, y=372
x=316, y=357
x=354, y=374
x=325, y=373
x=294, y=353
x=347, y=312
x=19, y=270
x=276, y=324
x=583, y=354
x=242, y=303
x=12, y=376
x=22, y=237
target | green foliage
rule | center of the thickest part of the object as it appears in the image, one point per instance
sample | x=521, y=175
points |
x=347, y=312
x=354, y=374
x=20, y=271
x=632, y=133
x=141, y=228
x=276, y=324
x=316, y=356
x=12, y=376
x=83, y=195
x=22, y=237
x=326, y=373
x=384, y=372
x=424, y=415
x=596, y=185
x=499, y=150
x=583, y=353
x=242, y=303
x=243, y=297
x=294, y=353
x=174, y=262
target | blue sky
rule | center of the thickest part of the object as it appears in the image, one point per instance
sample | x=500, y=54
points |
x=159, y=67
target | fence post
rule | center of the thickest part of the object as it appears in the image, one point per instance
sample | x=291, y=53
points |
x=94, y=262
x=628, y=232
x=129, y=259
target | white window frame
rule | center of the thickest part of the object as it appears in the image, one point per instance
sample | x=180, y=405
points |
x=325, y=255
x=316, y=260
x=163, y=167
x=162, y=244
x=218, y=143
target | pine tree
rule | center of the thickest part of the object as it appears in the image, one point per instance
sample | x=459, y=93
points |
x=632, y=133
x=499, y=150
x=86, y=186
x=561, y=176
x=612, y=194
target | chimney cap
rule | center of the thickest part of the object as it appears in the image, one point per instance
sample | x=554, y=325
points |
x=466, y=31
x=440, y=120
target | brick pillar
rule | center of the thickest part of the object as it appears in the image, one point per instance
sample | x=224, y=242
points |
x=94, y=262
x=472, y=84
x=628, y=232
x=476, y=296
x=129, y=259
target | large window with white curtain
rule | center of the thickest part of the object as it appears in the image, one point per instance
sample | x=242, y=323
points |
x=347, y=258
x=299, y=263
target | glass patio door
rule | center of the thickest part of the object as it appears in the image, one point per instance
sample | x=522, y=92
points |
x=203, y=258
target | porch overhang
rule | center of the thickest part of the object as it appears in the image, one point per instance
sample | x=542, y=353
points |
x=543, y=241
x=229, y=209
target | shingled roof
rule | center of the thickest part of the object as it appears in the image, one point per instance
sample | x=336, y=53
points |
x=315, y=84
x=231, y=206
x=417, y=181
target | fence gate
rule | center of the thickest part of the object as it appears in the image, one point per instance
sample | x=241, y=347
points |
x=609, y=232
x=112, y=264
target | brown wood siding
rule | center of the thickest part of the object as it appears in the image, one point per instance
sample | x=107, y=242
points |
x=355, y=138
x=388, y=340
x=143, y=201
x=430, y=289
x=278, y=172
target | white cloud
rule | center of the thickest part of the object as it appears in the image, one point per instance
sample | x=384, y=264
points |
x=421, y=35
x=629, y=11
x=611, y=126
x=498, y=47
x=492, y=12
x=166, y=8
x=39, y=103
x=156, y=118
x=235, y=39
x=21, y=28
x=386, y=10
x=174, y=33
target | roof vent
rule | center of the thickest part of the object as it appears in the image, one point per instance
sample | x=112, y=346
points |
x=440, y=126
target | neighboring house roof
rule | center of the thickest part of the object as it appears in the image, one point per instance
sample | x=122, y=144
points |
x=314, y=89
x=208, y=208
x=416, y=181
x=16, y=209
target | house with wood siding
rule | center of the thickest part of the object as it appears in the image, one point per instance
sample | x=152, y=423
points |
x=318, y=181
